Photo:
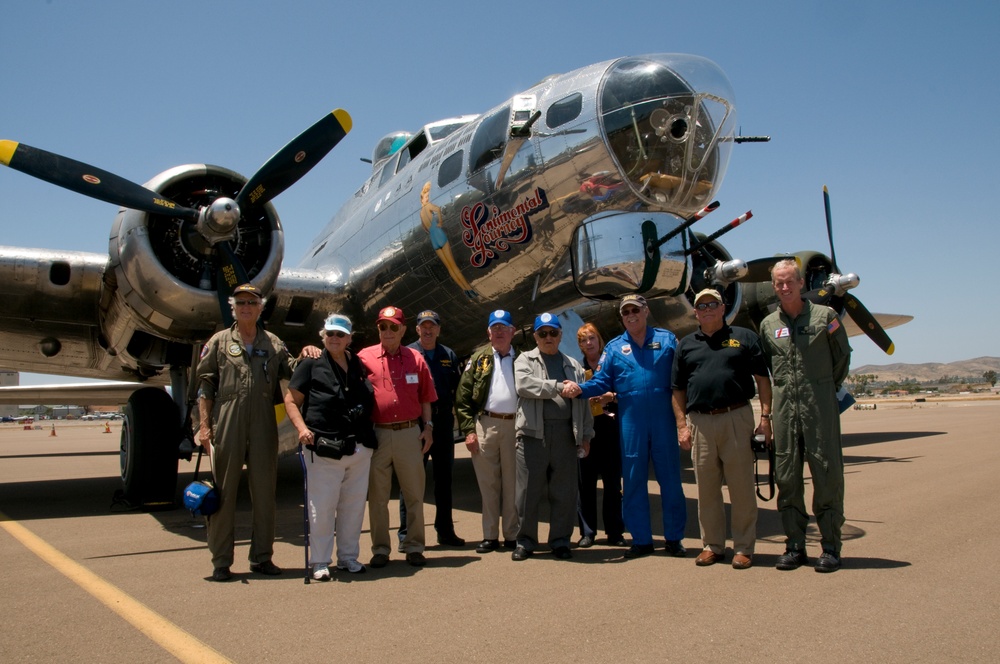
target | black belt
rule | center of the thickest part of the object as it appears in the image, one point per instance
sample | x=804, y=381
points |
x=499, y=416
x=724, y=409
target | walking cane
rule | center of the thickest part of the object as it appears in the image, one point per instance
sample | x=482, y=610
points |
x=305, y=507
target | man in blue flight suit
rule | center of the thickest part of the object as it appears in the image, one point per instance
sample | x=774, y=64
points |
x=636, y=366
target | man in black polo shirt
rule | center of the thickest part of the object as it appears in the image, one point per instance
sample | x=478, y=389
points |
x=714, y=373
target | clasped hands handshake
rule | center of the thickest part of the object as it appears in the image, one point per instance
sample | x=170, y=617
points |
x=570, y=390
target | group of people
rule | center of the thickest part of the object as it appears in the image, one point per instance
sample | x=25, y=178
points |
x=539, y=425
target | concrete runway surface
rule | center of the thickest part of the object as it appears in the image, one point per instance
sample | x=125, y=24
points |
x=86, y=583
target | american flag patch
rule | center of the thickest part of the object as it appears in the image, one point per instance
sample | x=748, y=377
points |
x=833, y=326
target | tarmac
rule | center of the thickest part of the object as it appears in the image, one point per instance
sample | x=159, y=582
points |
x=86, y=582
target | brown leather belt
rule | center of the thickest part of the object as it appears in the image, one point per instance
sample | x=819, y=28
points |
x=499, y=416
x=396, y=426
x=726, y=409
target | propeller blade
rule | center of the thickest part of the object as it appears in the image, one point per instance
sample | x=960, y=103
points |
x=829, y=227
x=295, y=159
x=868, y=324
x=759, y=269
x=88, y=180
x=229, y=275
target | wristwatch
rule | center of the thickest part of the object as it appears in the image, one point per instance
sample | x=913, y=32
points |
x=765, y=416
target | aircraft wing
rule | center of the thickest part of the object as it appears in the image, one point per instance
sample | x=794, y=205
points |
x=110, y=393
x=885, y=320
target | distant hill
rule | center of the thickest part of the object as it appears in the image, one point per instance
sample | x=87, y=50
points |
x=930, y=371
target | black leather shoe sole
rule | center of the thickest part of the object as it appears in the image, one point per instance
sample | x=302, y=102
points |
x=520, y=553
x=639, y=550
x=488, y=545
x=790, y=560
x=827, y=563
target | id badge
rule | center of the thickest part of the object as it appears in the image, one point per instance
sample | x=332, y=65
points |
x=412, y=379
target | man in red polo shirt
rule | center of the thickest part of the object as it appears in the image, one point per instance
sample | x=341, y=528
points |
x=404, y=391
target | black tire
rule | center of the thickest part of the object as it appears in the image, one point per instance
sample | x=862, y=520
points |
x=150, y=438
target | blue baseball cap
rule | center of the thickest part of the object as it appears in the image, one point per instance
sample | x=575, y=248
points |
x=547, y=320
x=500, y=316
x=337, y=323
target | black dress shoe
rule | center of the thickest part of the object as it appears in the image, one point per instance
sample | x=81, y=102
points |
x=675, y=548
x=585, y=542
x=221, y=574
x=450, y=539
x=488, y=545
x=562, y=553
x=416, y=559
x=616, y=540
x=828, y=562
x=639, y=550
x=266, y=568
x=792, y=559
x=509, y=544
x=520, y=553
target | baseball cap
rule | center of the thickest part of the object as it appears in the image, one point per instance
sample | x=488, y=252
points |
x=708, y=292
x=248, y=288
x=427, y=314
x=337, y=323
x=394, y=314
x=500, y=316
x=633, y=299
x=547, y=320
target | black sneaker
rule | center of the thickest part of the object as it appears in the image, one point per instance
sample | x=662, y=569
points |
x=488, y=545
x=639, y=550
x=792, y=559
x=266, y=568
x=221, y=574
x=675, y=548
x=828, y=562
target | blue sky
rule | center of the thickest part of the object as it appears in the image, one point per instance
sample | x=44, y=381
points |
x=893, y=105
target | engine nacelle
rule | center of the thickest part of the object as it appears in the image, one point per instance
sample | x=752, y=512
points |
x=162, y=271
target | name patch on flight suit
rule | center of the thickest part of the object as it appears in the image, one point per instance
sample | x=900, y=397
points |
x=781, y=333
x=234, y=349
x=654, y=345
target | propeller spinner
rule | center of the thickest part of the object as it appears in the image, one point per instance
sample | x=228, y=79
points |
x=217, y=222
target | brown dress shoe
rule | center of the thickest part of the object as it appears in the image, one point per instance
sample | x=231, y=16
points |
x=741, y=561
x=709, y=557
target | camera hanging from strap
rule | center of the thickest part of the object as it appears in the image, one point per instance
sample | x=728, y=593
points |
x=760, y=445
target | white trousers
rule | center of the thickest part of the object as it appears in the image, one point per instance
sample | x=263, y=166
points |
x=338, y=490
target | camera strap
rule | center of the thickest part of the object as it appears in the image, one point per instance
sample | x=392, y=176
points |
x=770, y=473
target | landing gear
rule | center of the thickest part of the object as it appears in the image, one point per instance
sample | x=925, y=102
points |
x=150, y=435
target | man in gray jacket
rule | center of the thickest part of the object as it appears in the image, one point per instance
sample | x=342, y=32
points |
x=551, y=428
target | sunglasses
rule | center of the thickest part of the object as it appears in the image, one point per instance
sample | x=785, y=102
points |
x=247, y=303
x=382, y=327
x=545, y=334
x=630, y=311
x=336, y=333
x=710, y=306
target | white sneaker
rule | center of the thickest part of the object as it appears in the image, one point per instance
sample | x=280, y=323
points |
x=321, y=572
x=352, y=566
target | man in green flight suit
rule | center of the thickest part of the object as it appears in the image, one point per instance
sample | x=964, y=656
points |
x=809, y=357
x=239, y=376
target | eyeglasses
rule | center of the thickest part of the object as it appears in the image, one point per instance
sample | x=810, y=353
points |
x=383, y=326
x=545, y=334
x=336, y=333
x=711, y=306
x=630, y=311
x=247, y=303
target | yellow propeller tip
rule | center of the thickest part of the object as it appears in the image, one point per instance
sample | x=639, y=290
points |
x=7, y=149
x=344, y=118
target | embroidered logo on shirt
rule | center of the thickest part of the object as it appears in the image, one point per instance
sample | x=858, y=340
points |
x=731, y=343
x=781, y=333
x=627, y=349
x=234, y=349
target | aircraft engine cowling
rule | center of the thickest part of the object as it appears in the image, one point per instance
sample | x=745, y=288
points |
x=164, y=270
x=703, y=262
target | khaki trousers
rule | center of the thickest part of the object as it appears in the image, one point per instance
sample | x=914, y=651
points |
x=721, y=452
x=496, y=472
x=397, y=451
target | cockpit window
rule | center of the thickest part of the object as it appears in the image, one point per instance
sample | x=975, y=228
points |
x=563, y=111
x=443, y=131
x=490, y=138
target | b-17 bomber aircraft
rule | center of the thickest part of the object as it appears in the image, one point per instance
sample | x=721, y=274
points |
x=562, y=198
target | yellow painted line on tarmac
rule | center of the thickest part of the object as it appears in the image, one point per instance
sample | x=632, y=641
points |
x=161, y=631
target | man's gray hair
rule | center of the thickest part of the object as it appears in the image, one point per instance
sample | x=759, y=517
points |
x=787, y=263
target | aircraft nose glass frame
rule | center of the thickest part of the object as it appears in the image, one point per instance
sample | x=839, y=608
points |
x=670, y=137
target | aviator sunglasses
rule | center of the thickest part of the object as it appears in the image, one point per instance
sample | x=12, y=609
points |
x=336, y=333
x=383, y=326
x=544, y=334
x=711, y=306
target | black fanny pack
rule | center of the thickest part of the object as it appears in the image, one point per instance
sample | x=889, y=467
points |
x=333, y=448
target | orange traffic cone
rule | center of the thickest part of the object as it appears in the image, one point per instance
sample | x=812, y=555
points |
x=53, y=430
x=107, y=427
